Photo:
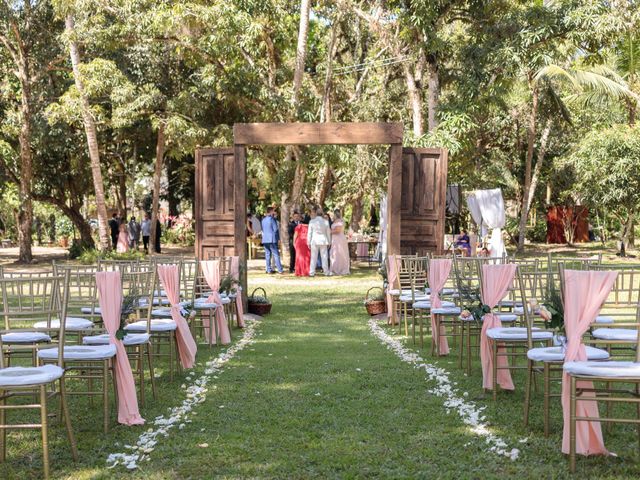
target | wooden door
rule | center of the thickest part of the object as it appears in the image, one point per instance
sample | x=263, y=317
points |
x=220, y=198
x=423, y=200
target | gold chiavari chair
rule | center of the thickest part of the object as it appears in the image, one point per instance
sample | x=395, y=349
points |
x=82, y=310
x=228, y=298
x=394, y=289
x=548, y=361
x=123, y=266
x=205, y=312
x=514, y=343
x=31, y=313
x=136, y=292
x=160, y=327
x=39, y=382
x=412, y=283
x=615, y=381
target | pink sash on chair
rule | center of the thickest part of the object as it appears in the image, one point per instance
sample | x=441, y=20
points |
x=439, y=270
x=496, y=280
x=110, y=298
x=584, y=293
x=392, y=277
x=211, y=271
x=235, y=273
x=187, y=348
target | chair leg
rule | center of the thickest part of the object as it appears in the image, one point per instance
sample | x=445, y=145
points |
x=469, y=349
x=140, y=366
x=45, y=436
x=527, y=392
x=171, y=358
x=3, y=431
x=406, y=320
x=174, y=340
x=105, y=395
x=572, y=427
x=151, y=372
x=67, y=420
x=495, y=370
x=547, y=397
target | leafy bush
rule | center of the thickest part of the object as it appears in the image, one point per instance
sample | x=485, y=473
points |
x=89, y=256
x=181, y=233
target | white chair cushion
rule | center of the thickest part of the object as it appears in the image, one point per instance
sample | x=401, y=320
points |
x=603, y=369
x=226, y=300
x=204, y=306
x=417, y=297
x=129, y=339
x=604, y=319
x=510, y=303
x=91, y=310
x=20, y=376
x=620, y=334
x=507, y=317
x=25, y=337
x=71, y=324
x=396, y=292
x=556, y=354
x=143, y=302
x=157, y=325
x=517, y=333
x=80, y=352
x=426, y=304
x=446, y=311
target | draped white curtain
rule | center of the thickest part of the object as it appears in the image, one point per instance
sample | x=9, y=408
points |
x=381, y=250
x=491, y=205
x=476, y=214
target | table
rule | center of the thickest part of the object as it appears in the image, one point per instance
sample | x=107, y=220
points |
x=363, y=250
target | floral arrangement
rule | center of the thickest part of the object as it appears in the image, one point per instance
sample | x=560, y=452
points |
x=378, y=297
x=473, y=306
x=259, y=299
x=552, y=311
x=129, y=305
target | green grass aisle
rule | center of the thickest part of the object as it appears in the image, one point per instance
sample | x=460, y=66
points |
x=318, y=396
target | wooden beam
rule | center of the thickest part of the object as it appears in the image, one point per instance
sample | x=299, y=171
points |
x=362, y=133
x=394, y=198
x=240, y=211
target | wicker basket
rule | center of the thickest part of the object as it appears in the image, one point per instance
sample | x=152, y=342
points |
x=375, y=307
x=261, y=309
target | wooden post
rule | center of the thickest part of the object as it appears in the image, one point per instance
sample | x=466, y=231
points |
x=240, y=209
x=394, y=196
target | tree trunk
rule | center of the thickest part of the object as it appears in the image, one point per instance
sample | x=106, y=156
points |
x=415, y=100
x=74, y=214
x=172, y=198
x=433, y=102
x=122, y=188
x=25, y=209
x=157, y=174
x=624, y=236
x=92, y=137
x=531, y=138
x=544, y=141
x=356, y=214
x=291, y=199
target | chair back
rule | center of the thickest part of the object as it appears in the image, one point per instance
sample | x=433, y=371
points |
x=30, y=300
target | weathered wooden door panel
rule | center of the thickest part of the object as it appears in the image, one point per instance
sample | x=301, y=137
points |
x=220, y=197
x=422, y=205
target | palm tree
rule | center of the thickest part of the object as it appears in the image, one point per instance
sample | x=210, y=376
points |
x=593, y=82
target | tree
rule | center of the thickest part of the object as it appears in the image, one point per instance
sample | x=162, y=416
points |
x=606, y=165
x=91, y=132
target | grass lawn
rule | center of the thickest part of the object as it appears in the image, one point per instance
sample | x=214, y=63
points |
x=317, y=396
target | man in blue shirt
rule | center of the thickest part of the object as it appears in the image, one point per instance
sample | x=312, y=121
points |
x=270, y=238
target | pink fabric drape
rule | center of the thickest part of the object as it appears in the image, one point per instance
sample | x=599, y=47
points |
x=110, y=299
x=187, y=348
x=584, y=293
x=392, y=277
x=211, y=271
x=235, y=273
x=496, y=281
x=439, y=269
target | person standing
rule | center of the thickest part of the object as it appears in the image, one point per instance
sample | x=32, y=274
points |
x=146, y=232
x=114, y=226
x=302, y=250
x=270, y=238
x=123, y=239
x=158, y=235
x=339, y=253
x=295, y=221
x=134, y=233
x=319, y=239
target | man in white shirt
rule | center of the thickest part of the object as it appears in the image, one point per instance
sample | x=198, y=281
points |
x=319, y=239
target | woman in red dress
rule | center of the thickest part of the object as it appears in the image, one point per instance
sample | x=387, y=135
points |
x=303, y=253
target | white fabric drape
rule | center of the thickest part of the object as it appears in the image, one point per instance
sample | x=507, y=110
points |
x=491, y=205
x=476, y=214
x=381, y=250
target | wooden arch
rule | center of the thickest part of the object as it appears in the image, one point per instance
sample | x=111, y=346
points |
x=416, y=189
